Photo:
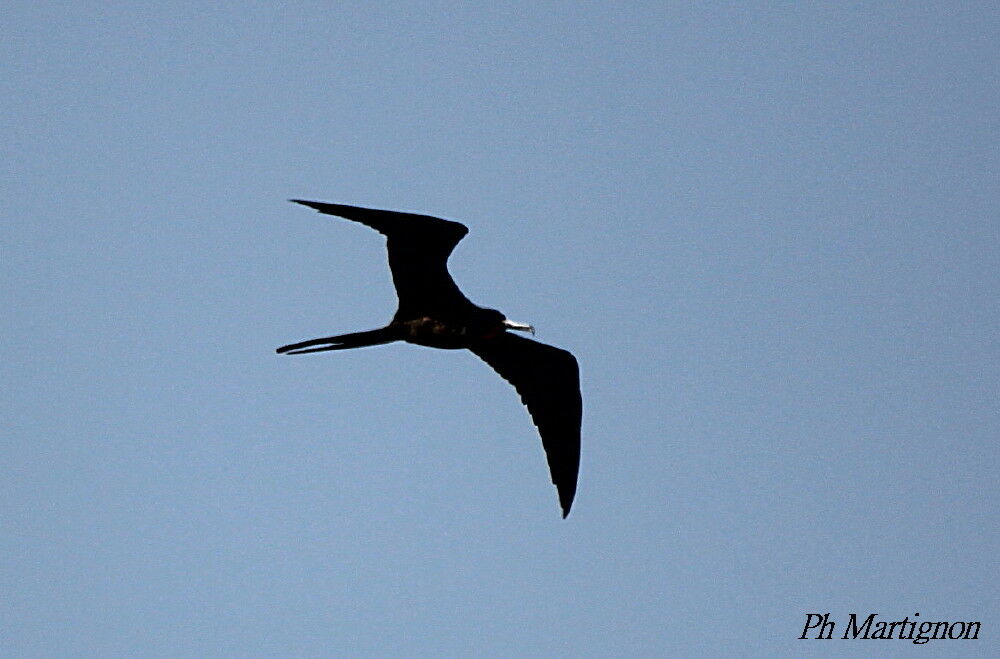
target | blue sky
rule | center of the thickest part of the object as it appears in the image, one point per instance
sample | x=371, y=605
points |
x=768, y=232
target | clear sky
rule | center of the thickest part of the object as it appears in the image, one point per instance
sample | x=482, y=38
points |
x=768, y=231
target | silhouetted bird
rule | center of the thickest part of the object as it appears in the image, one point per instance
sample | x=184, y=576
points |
x=433, y=312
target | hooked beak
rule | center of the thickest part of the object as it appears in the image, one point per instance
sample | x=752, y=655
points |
x=521, y=327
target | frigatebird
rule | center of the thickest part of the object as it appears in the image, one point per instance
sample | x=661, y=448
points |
x=433, y=312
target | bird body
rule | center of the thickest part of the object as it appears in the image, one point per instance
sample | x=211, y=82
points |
x=433, y=312
x=447, y=333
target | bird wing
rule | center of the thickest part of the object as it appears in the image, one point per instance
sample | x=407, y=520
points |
x=419, y=247
x=548, y=381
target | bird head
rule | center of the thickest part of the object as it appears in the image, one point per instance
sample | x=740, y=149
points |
x=494, y=323
x=520, y=327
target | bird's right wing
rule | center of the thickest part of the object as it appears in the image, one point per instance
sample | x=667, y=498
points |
x=419, y=247
x=548, y=381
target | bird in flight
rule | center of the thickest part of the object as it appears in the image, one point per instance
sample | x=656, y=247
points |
x=433, y=312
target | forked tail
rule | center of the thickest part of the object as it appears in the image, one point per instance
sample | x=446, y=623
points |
x=344, y=341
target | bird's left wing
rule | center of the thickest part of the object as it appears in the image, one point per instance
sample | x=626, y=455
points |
x=418, y=248
x=548, y=381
